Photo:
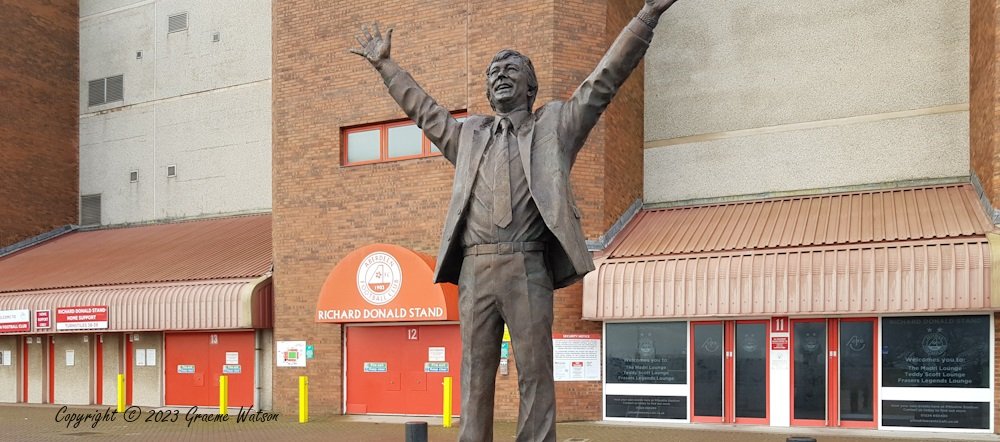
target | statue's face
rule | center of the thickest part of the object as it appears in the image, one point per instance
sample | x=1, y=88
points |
x=508, y=85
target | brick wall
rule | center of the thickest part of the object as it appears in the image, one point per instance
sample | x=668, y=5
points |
x=323, y=211
x=39, y=160
x=984, y=96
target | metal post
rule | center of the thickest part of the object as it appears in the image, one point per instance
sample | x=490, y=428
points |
x=121, y=393
x=446, y=413
x=416, y=432
x=223, y=395
x=303, y=399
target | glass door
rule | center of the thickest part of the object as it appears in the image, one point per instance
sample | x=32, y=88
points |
x=707, y=371
x=729, y=369
x=833, y=372
x=750, y=395
x=857, y=391
x=809, y=372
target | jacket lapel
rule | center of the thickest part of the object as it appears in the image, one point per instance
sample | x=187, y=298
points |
x=480, y=136
x=524, y=145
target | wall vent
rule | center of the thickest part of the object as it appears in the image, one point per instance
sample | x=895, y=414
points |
x=133, y=176
x=95, y=92
x=216, y=37
x=171, y=171
x=138, y=55
x=177, y=22
x=90, y=210
x=106, y=90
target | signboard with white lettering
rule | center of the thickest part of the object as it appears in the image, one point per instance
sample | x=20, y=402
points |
x=43, y=319
x=82, y=318
x=13, y=321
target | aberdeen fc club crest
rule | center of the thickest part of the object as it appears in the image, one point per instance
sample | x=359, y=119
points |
x=934, y=343
x=379, y=278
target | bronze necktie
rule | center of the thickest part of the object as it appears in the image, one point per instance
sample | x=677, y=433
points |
x=501, y=188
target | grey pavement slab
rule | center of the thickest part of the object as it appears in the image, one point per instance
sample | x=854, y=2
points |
x=39, y=422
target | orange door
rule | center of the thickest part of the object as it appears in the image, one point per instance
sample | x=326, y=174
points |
x=401, y=369
x=194, y=362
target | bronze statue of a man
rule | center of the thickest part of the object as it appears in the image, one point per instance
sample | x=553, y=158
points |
x=513, y=231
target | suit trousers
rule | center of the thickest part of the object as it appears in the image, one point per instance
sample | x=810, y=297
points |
x=515, y=289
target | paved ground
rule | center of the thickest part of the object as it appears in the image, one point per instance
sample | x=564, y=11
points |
x=39, y=423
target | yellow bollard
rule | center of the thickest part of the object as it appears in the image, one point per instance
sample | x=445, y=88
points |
x=121, y=393
x=223, y=395
x=303, y=399
x=446, y=414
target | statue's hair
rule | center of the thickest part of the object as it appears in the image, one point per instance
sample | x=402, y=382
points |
x=530, y=69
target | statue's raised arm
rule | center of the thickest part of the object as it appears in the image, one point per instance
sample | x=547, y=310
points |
x=581, y=112
x=436, y=121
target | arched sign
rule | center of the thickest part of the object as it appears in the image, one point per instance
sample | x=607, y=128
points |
x=385, y=283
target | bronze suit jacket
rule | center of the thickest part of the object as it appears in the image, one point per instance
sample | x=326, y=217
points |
x=548, y=143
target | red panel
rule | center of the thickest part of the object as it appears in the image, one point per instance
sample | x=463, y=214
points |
x=833, y=372
x=128, y=369
x=99, y=382
x=186, y=389
x=729, y=407
x=405, y=387
x=24, y=369
x=52, y=370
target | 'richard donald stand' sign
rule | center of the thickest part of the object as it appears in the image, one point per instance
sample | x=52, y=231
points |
x=82, y=318
x=385, y=283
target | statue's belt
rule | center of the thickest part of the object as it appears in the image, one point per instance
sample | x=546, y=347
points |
x=505, y=248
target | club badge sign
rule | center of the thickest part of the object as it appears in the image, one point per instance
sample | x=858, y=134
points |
x=12, y=321
x=82, y=318
x=385, y=283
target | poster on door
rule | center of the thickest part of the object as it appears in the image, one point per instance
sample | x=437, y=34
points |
x=576, y=357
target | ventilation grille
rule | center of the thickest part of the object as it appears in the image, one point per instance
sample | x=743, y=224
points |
x=133, y=176
x=90, y=210
x=115, y=89
x=106, y=90
x=177, y=23
x=95, y=92
x=171, y=171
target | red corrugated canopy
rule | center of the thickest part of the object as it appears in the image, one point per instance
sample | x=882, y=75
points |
x=902, y=250
x=185, y=275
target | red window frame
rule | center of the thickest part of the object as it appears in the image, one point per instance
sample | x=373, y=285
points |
x=383, y=128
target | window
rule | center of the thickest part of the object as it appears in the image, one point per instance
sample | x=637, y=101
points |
x=105, y=90
x=133, y=176
x=646, y=370
x=171, y=171
x=382, y=142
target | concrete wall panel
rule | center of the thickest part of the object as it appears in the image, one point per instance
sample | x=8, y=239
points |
x=743, y=64
x=9, y=381
x=73, y=382
x=932, y=146
x=147, y=381
x=111, y=368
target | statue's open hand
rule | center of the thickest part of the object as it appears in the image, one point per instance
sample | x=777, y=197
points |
x=374, y=47
x=660, y=6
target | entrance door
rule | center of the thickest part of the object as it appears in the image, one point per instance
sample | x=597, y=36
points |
x=729, y=370
x=194, y=361
x=833, y=372
x=401, y=369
